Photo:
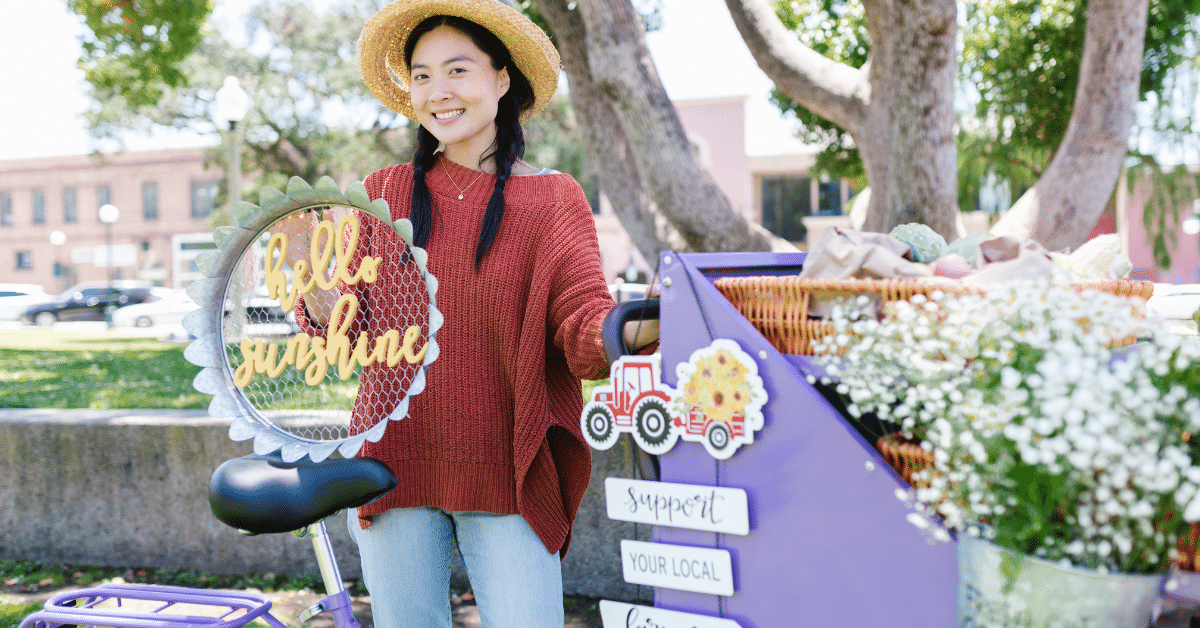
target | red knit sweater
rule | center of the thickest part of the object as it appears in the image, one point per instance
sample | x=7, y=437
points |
x=497, y=426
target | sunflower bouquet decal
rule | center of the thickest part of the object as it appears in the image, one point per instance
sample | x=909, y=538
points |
x=718, y=402
x=720, y=398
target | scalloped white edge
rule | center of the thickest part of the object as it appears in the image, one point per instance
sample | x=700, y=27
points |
x=206, y=351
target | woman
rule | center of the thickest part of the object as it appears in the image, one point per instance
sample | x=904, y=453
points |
x=491, y=453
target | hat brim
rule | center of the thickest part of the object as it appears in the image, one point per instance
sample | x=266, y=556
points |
x=381, y=48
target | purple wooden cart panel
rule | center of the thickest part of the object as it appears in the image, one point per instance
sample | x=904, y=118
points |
x=829, y=544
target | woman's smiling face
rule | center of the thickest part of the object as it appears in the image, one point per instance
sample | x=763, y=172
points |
x=455, y=91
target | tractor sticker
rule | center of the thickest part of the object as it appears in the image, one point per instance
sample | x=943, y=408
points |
x=718, y=403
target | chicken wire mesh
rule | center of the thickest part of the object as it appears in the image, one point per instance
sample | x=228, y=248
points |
x=326, y=383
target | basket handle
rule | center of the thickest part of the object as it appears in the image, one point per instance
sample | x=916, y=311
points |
x=613, y=330
x=613, y=333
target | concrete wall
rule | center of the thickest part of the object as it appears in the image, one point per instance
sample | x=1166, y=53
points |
x=130, y=488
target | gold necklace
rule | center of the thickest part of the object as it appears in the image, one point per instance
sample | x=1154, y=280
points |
x=461, y=191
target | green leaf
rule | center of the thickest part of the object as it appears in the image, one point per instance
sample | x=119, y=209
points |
x=1011, y=565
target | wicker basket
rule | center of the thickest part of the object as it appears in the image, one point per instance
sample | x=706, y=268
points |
x=1188, y=559
x=777, y=306
x=904, y=455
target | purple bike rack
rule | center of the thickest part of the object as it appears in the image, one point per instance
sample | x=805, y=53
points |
x=829, y=544
x=256, y=494
x=105, y=606
x=108, y=605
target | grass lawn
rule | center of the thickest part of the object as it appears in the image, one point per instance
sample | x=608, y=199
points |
x=40, y=369
x=12, y=614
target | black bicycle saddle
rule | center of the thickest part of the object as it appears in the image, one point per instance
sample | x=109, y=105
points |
x=264, y=494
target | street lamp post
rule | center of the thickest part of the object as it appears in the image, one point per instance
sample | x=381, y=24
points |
x=108, y=215
x=230, y=107
x=57, y=239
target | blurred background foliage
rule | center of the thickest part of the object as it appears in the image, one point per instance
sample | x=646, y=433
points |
x=311, y=116
x=1017, y=78
x=136, y=48
x=158, y=63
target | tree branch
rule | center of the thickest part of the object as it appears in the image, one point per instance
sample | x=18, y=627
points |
x=620, y=64
x=1068, y=199
x=832, y=90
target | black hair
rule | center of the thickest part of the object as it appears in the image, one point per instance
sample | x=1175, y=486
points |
x=506, y=150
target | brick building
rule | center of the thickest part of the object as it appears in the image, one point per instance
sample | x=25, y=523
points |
x=165, y=198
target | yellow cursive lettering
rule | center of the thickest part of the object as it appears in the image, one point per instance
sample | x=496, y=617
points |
x=252, y=356
x=411, y=335
x=338, y=345
x=315, y=355
x=322, y=250
x=387, y=349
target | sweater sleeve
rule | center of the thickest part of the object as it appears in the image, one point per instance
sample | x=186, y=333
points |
x=579, y=298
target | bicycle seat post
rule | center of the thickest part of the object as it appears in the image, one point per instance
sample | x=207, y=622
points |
x=326, y=561
x=337, y=599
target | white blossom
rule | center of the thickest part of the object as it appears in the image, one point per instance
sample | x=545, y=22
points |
x=1026, y=375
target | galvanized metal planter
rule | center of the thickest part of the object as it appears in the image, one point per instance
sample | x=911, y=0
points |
x=999, y=588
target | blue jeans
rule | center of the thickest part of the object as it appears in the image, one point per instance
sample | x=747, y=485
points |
x=406, y=565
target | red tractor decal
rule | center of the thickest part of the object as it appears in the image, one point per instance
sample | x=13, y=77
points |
x=718, y=403
x=714, y=433
x=635, y=402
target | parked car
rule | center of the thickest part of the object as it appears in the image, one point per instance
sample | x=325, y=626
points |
x=1178, y=302
x=622, y=291
x=15, y=298
x=165, y=307
x=87, y=302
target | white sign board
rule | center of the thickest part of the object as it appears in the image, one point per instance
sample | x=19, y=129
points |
x=698, y=569
x=116, y=255
x=707, y=508
x=621, y=615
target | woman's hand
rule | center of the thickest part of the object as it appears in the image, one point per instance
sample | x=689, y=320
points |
x=299, y=229
x=639, y=334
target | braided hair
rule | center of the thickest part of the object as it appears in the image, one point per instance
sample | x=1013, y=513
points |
x=506, y=150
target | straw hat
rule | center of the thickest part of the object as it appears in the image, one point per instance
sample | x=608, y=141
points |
x=381, y=48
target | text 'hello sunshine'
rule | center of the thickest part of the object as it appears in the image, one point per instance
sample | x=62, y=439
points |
x=315, y=355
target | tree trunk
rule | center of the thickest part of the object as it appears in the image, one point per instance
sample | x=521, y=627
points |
x=1063, y=207
x=911, y=76
x=607, y=150
x=897, y=107
x=619, y=71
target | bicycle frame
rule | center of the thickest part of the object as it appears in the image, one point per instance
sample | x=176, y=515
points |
x=125, y=605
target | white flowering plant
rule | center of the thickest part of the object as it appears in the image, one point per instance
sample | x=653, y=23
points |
x=1050, y=433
